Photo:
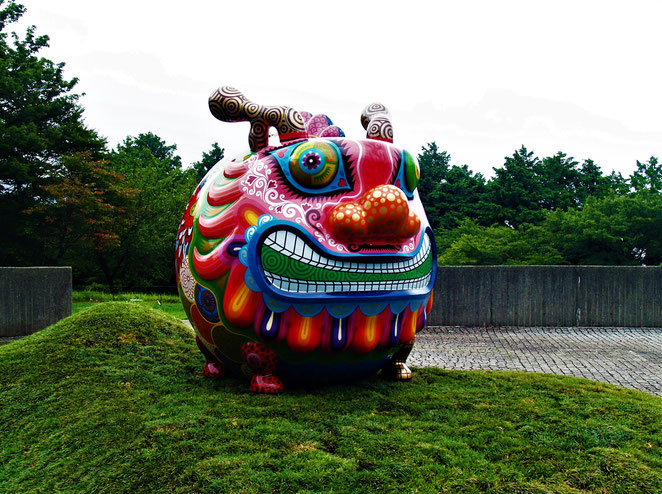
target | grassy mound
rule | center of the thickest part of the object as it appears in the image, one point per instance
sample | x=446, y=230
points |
x=113, y=399
x=168, y=303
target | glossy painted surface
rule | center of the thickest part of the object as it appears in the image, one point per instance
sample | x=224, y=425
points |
x=312, y=260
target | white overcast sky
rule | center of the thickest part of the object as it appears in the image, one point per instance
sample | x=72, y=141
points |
x=480, y=78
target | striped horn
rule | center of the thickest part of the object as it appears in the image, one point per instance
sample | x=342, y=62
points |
x=230, y=105
x=376, y=120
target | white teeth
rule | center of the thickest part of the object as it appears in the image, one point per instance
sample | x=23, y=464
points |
x=292, y=286
x=290, y=244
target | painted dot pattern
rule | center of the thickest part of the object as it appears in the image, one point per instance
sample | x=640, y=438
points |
x=382, y=211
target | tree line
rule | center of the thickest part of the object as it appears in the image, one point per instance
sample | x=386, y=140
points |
x=553, y=210
x=67, y=198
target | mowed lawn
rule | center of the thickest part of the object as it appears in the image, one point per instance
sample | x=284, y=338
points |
x=112, y=399
x=168, y=303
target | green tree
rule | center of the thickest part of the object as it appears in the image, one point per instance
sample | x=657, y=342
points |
x=142, y=255
x=513, y=194
x=647, y=176
x=474, y=244
x=449, y=193
x=614, y=230
x=564, y=184
x=592, y=182
x=434, y=166
x=40, y=123
x=90, y=205
x=150, y=144
x=209, y=159
x=526, y=186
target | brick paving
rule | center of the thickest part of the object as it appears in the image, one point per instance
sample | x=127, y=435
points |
x=627, y=357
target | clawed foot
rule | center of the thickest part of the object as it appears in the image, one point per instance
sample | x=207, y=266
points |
x=269, y=384
x=398, y=371
x=263, y=362
x=214, y=370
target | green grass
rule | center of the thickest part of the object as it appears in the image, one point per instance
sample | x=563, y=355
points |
x=113, y=399
x=168, y=303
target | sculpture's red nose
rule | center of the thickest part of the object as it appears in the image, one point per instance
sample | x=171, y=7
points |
x=382, y=213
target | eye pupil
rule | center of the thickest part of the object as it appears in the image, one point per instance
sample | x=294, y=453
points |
x=312, y=161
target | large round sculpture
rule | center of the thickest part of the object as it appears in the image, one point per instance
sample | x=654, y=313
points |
x=309, y=261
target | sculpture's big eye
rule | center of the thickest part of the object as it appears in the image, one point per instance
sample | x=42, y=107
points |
x=408, y=175
x=314, y=167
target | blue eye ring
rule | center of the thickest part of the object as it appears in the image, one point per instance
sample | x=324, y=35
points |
x=314, y=167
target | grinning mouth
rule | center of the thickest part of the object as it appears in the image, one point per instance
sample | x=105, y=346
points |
x=292, y=264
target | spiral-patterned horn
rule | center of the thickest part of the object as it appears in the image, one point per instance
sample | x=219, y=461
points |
x=230, y=105
x=376, y=120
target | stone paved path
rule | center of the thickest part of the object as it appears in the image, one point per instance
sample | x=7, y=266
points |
x=627, y=357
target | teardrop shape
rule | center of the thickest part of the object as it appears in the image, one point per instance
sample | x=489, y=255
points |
x=368, y=331
x=304, y=333
x=269, y=325
x=395, y=330
x=338, y=336
x=409, y=325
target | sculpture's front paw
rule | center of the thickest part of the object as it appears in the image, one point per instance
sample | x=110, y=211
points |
x=214, y=370
x=268, y=384
x=263, y=362
x=398, y=371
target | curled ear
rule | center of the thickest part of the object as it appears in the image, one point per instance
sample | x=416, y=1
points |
x=230, y=105
x=376, y=120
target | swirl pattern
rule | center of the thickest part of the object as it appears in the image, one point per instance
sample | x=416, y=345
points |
x=230, y=105
x=376, y=120
x=206, y=303
x=227, y=104
x=370, y=111
x=272, y=261
x=380, y=128
x=253, y=110
x=256, y=184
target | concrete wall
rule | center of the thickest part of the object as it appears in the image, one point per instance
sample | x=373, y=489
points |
x=548, y=296
x=33, y=298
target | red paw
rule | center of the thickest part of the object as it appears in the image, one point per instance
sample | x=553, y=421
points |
x=214, y=370
x=269, y=384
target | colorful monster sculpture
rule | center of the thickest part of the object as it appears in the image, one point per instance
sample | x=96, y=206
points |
x=308, y=261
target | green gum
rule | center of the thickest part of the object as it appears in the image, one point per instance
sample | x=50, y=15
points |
x=277, y=263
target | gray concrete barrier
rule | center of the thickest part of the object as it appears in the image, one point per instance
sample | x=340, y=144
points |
x=616, y=296
x=33, y=298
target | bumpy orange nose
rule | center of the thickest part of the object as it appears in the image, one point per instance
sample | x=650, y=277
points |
x=382, y=213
